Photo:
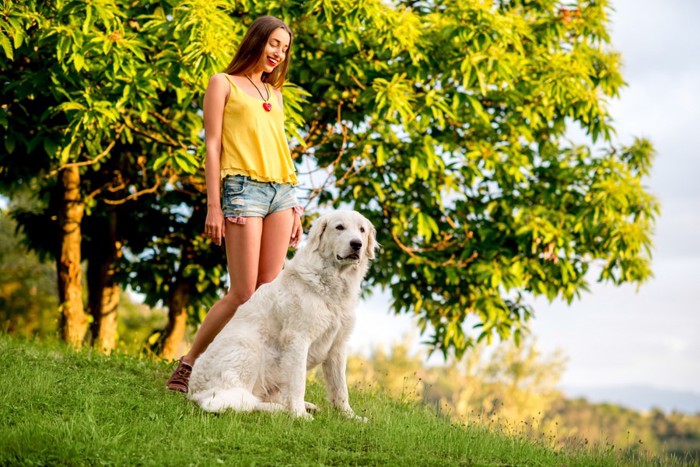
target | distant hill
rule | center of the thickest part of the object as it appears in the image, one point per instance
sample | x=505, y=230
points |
x=639, y=397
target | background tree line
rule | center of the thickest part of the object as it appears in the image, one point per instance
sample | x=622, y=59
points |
x=444, y=122
x=514, y=389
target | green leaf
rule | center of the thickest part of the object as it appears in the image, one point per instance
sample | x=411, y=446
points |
x=380, y=192
x=160, y=162
x=479, y=109
x=381, y=155
x=78, y=61
x=6, y=46
x=65, y=154
x=50, y=147
x=10, y=143
x=65, y=106
x=426, y=226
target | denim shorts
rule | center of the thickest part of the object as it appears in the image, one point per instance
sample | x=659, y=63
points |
x=244, y=197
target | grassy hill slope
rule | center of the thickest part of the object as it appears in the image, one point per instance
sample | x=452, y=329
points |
x=59, y=407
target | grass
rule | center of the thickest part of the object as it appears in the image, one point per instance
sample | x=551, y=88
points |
x=60, y=407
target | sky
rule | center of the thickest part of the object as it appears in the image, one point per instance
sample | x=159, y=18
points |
x=623, y=336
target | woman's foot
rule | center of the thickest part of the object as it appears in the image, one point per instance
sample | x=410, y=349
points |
x=180, y=379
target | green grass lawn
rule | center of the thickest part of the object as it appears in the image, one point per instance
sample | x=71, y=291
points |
x=59, y=407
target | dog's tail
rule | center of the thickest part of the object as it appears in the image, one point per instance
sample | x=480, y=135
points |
x=237, y=399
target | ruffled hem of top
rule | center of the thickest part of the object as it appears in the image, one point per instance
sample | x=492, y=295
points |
x=290, y=179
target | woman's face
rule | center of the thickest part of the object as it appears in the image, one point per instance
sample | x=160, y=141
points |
x=275, y=50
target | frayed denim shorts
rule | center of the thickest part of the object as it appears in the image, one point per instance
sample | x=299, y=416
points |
x=244, y=197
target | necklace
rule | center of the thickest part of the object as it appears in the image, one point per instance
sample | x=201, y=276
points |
x=266, y=104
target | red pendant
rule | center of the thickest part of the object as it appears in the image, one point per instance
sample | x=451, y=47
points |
x=267, y=106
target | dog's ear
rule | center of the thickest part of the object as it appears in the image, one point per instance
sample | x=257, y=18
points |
x=372, y=244
x=316, y=234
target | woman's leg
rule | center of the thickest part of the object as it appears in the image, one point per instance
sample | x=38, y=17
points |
x=243, y=245
x=255, y=253
x=276, y=230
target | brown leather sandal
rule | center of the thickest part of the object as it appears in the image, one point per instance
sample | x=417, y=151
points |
x=180, y=379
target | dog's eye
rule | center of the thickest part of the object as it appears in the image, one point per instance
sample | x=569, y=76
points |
x=340, y=227
x=362, y=229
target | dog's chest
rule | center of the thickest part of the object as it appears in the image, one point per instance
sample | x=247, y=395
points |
x=334, y=335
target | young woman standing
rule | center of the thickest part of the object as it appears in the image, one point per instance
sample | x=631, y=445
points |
x=250, y=176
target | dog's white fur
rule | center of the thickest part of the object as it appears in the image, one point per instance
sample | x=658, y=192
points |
x=300, y=320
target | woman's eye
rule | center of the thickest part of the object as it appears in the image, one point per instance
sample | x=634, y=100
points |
x=339, y=227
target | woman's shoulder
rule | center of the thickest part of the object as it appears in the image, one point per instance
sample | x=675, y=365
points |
x=218, y=87
x=219, y=78
x=219, y=82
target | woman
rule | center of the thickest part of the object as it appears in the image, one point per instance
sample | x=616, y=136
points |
x=247, y=154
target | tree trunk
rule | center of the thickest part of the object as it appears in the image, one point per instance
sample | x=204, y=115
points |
x=73, y=321
x=103, y=304
x=172, y=338
x=170, y=342
x=105, y=339
x=103, y=291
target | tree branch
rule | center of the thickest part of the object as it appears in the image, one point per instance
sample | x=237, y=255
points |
x=94, y=160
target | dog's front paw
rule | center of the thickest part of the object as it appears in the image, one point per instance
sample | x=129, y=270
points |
x=304, y=415
x=351, y=415
x=358, y=418
x=310, y=407
x=299, y=411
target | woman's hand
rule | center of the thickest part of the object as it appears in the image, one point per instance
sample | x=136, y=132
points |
x=215, y=225
x=296, y=230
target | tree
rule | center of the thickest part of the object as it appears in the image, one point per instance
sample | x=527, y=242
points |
x=91, y=132
x=444, y=122
x=56, y=133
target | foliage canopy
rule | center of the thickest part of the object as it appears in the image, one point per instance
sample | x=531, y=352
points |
x=444, y=122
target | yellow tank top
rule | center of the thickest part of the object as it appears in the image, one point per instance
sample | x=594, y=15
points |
x=253, y=142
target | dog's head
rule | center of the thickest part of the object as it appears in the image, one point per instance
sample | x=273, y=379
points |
x=346, y=237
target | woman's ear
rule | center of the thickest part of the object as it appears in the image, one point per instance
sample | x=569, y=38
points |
x=316, y=234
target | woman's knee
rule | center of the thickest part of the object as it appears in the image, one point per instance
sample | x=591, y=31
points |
x=238, y=296
x=264, y=280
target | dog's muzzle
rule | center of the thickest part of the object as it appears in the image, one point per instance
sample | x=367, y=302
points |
x=356, y=246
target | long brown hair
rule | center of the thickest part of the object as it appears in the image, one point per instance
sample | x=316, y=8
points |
x=253, y=46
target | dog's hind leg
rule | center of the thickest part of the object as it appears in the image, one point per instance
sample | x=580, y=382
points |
x=270, y=407
x=219, y=400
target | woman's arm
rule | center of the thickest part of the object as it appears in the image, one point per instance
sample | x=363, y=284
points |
x=296, y=227
x=214, y=103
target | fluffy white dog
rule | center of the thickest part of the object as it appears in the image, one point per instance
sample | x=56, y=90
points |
x=298, y=321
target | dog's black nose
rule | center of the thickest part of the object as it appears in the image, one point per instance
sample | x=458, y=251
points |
x=356, y=244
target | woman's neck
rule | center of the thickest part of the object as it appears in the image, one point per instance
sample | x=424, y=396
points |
x=255, y=75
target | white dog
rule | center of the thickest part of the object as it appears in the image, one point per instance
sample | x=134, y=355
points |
x=301, y=319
